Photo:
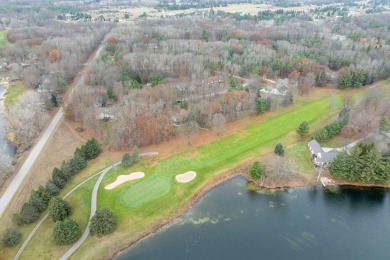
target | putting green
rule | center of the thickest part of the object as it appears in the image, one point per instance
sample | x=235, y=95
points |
x=145, y=191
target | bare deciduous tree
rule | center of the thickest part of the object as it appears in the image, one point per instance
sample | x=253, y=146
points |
x=188, y=129
x=280, y=169
x=27, y=118
x=218, y=123
x=6, y=167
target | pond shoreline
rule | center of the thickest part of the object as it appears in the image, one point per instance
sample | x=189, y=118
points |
x=166, y=222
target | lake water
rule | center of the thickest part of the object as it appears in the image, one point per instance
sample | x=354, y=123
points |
x=5, y=147
x=305, y=223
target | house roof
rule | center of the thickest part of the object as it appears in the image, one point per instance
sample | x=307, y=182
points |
x=213, y=79
x=315, y=146
x=326, y=157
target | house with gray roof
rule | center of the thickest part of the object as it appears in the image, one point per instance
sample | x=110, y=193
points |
x=324, y=159
x=320, y=157
x=314, y=147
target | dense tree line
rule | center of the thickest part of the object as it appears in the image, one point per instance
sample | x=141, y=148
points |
x=40, y=199
x=364, y=164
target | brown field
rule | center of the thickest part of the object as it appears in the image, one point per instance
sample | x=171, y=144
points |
x=253, y=9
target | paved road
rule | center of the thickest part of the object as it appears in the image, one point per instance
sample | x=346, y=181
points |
x=19, y=177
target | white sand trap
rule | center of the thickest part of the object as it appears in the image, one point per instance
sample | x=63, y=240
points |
x=125, y=178
x=186, y=177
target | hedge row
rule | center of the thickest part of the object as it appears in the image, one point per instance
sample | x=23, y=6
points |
x=39, y=199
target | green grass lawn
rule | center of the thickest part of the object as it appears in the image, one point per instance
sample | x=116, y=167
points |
x=299, y=153
x=3, y=39
x=14, y=92
x=41, y=246
x=143, y=203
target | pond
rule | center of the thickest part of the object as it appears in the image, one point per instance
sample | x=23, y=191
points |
x=5, y=147
x=305, y=223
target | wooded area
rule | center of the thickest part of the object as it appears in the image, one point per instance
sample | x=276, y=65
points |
x=159, y=74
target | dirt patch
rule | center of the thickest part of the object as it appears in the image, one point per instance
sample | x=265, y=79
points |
x=297, y=181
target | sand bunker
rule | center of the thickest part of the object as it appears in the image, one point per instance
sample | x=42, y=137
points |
x=125, y=178
x=186, y=177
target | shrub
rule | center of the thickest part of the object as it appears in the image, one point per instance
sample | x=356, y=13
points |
x=66, y=232
x=259, y=106
x=59, y=209
x=303, y=128
x=77, y=163
x=333, y=129
x=59, y=179
x=102, y=223
x=279, y=150
x=11, y=237
x=256, y=170
x=321, y=134
x=37, y=201
x=16, y=219
x=127, y=160
x=52, y=188
x=29, y=213
x=91, y=149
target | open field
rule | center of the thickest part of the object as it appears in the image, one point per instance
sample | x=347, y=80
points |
x=113, y=13
x=253, y=9
x=13, y=93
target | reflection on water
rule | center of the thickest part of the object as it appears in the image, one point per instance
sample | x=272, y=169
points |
x=308, y=223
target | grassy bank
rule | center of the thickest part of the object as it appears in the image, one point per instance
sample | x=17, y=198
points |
x=143, y=204
x=3, y=39
x=13, y=93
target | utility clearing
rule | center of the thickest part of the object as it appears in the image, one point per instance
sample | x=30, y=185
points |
x=125, y=178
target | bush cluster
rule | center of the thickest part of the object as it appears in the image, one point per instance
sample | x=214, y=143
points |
x=327, y=132
x=66, y=232
x=102, y=223
x=11, y=237
x=128, y=160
